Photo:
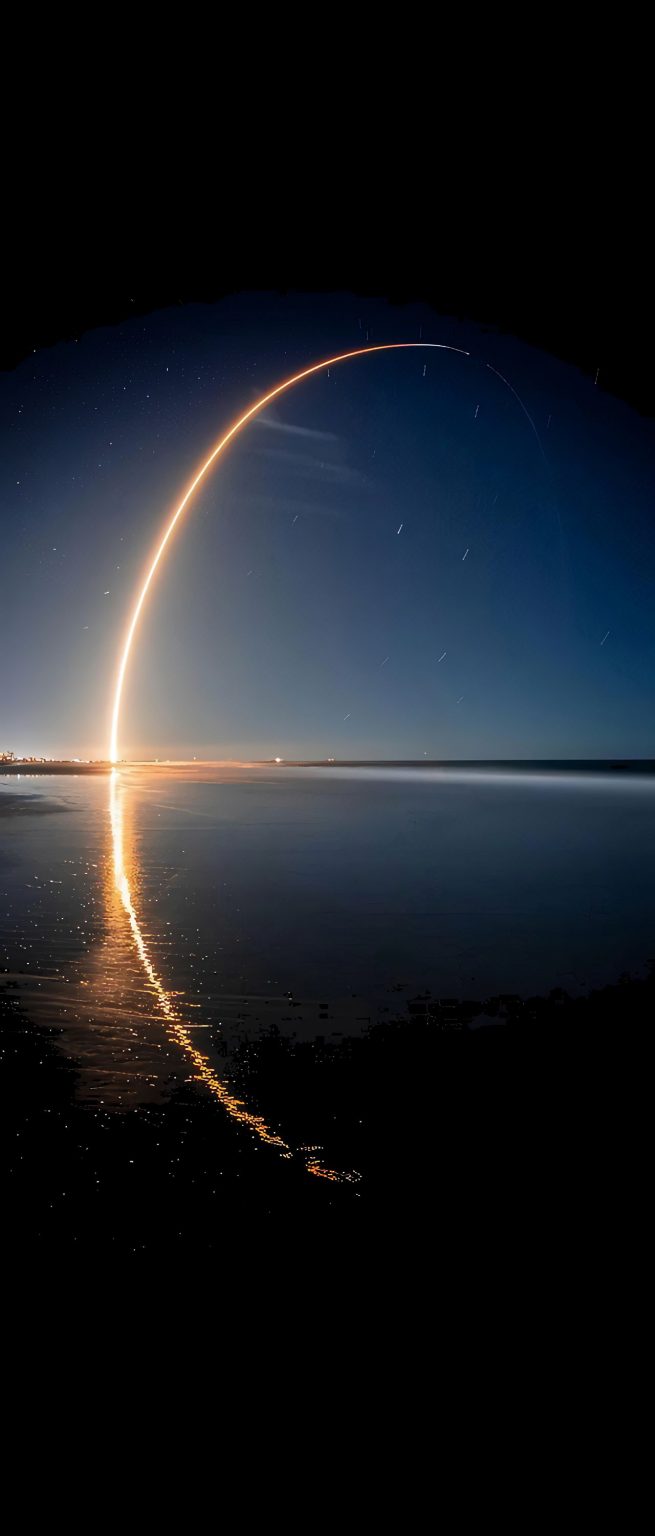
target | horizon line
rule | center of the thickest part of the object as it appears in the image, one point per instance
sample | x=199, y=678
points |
x=41, y=762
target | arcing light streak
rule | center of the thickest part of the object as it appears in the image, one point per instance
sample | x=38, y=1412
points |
x=174, y=1021
x=390, y=346
x=524, y=408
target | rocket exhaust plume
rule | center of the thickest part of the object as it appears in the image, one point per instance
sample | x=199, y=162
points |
x=171, y=525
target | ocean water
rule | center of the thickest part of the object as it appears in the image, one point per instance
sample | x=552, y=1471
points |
x=315, y=900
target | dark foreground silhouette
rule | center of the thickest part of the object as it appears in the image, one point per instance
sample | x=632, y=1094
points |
x=529, y=1121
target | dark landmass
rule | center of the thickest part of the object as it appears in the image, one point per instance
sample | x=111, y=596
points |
x=26, y=768
x=513, y=765
x=524, y=1130
x=641, y=765
x=465, y=1097
x=160, y=1179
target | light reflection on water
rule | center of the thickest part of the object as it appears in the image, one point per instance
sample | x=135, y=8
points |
x=170, y=914
x=171, y=1004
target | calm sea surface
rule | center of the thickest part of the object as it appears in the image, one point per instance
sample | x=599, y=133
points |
x=162, y=918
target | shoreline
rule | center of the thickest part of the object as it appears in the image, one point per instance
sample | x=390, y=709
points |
x=526, y=766
x=530, y=1120
x=27, y=770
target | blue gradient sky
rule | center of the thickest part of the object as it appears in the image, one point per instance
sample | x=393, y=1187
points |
x=288, y=585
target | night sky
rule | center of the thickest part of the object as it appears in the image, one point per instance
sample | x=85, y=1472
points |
x=291, y=617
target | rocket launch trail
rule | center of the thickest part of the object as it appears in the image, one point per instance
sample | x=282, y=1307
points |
x=217, y=450
x=201, y=473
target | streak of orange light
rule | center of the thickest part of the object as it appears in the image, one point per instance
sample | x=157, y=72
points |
x=391, y=346
x=179, y=1031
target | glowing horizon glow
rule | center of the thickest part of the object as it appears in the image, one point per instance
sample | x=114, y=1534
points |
x=296, y=378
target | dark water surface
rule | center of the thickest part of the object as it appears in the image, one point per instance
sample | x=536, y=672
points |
x=165, y=921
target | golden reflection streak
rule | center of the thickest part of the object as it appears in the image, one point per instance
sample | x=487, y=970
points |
x=177, y=1028
x=328, y=362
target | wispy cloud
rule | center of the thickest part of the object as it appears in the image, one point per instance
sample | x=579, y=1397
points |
x=286, y=426
x=308, y=466
x=289, y=508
